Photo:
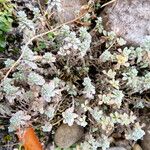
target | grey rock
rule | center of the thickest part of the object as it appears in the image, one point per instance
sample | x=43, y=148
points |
x=116, y=148
x=69, y=9
x=66, y=136
x=129, y=19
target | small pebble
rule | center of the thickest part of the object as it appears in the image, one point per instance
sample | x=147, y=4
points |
x=66, y=136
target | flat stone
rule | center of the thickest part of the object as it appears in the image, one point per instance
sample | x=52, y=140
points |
x=129, y=19
x=66, y=136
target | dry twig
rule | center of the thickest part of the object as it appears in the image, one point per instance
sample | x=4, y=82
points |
x=112, y=1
